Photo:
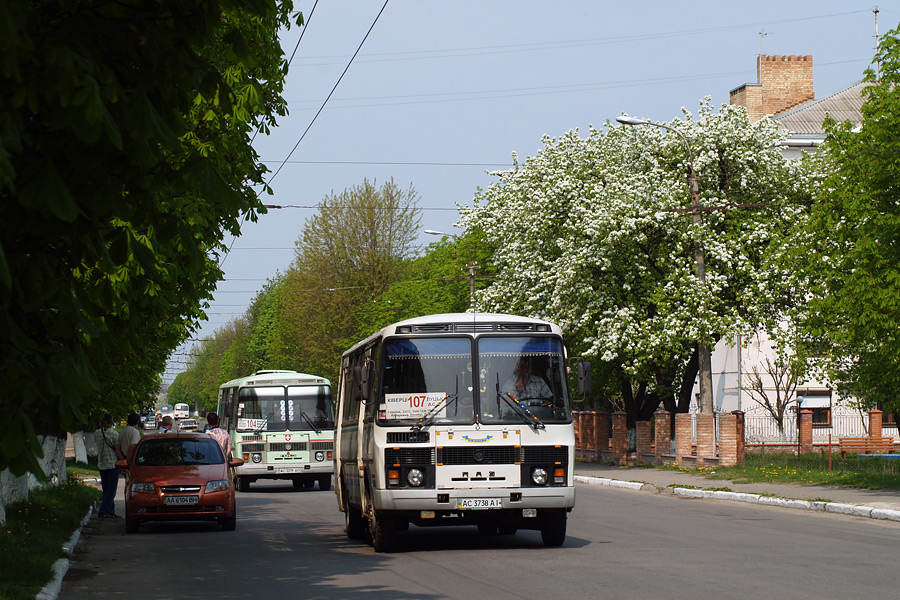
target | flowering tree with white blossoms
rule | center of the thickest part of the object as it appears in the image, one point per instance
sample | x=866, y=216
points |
x=596, y=234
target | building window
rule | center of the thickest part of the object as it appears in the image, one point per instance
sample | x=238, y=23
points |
x=821, y=417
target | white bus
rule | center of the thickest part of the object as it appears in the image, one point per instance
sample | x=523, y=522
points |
x=181, y=411
x=281, y=425
x=456, y=419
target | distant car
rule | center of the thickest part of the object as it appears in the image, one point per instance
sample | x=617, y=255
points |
x=148, y=422
x=178, y=477
x=188, y=425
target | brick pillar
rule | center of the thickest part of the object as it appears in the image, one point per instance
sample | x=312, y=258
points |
x=806, y=431
x=576, y=421
x=683, y=436
x=601, y=431
x=619, y=424
x=587, y=434
x=643, y=438
x=706, y=435
x=739, y=415
x=663, y=432
x=728, y=444
x=876, y=418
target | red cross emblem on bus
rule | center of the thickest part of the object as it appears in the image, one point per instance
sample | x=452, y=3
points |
x=287, y=437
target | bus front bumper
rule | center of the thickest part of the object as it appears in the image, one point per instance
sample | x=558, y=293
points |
x=473, y=499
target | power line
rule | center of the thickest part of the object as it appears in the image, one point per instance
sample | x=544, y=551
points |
x=321, y=108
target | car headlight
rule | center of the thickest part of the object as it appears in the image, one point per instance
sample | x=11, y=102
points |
x=320, y=456
x=215, y=486
x=143, y=486
x=539, y=475
x=256, y=457
x=415, y=477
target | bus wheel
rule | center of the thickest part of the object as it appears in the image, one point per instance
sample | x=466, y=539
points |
x=354, y=523
x=243, y=484
x=324, y=482
x=384, y=533
x=553, y=528
x=298, y=484
x=486, y=528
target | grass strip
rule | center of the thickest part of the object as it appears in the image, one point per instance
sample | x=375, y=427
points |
x=32, y=537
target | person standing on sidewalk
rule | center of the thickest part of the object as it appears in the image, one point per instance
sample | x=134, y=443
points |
x=129, y=436
x=107, y=439
x=220, y=434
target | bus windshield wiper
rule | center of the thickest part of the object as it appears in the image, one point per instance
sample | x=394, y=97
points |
x=308, y=420
x=428, y=417
x=523, y=412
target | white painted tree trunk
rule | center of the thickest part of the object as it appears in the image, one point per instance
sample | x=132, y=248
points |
x=80, y=448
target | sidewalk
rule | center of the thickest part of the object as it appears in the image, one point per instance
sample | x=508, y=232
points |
x=877, y=504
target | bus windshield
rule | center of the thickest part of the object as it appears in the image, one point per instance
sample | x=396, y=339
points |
x=280, y=408
x=436, y=380
x=527, y=371
x=427, y=378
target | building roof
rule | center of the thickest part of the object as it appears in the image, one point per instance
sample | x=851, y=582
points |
x=842, y=106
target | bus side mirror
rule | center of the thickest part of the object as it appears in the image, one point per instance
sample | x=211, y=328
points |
x=361, y=376
x=584, y=378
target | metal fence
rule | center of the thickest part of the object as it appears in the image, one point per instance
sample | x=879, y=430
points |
x=763, y=429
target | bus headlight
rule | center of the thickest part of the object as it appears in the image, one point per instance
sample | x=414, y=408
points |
x=320, y=456
x=539, y=475
x=415, y=477
x=256, y=457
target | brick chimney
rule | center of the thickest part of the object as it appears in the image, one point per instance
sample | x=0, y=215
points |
x=783, y=83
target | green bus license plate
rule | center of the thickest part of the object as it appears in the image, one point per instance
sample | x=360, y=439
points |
x=479, y=503
x=181, y=500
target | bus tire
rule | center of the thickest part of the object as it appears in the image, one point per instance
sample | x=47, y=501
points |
x=354, y=524
x=384, y=533
x=553, y=528
x=324, y=482
x=298, y=484
x=243, y=484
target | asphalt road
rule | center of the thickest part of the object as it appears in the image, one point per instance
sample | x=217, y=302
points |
x=620, y=544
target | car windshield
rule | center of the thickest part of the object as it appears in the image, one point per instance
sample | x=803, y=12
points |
x=179, y=451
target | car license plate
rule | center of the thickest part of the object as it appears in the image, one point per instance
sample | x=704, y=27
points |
x=181, y=500
x=479, y=503
x=290, y=470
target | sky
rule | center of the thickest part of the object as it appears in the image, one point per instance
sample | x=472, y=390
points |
x=441, y=93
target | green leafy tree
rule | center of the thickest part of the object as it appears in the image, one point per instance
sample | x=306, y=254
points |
x=850, y=255
x=124, y=159
x=595, y=234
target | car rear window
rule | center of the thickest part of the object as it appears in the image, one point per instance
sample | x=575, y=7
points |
x=169, y=452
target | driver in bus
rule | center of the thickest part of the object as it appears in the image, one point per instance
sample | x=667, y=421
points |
x=525, y=386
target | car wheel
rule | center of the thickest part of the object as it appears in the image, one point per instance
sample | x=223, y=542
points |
x=230, y=523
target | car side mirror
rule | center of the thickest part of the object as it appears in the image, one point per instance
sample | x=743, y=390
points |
x=235, y=462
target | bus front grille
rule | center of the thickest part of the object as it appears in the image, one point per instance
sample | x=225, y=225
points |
x=287, y=447
x=409, y=456
x=321, y=445
x=490, y=455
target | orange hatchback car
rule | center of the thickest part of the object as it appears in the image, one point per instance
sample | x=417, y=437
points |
x=178, y=477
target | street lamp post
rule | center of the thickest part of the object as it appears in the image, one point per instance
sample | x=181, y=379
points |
x=703, y=347
x=471, y=264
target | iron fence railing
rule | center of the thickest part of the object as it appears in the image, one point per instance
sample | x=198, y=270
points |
x=763, y=429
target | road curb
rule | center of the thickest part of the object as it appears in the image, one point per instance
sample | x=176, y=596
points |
x=61, y=566
x=869, y=512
